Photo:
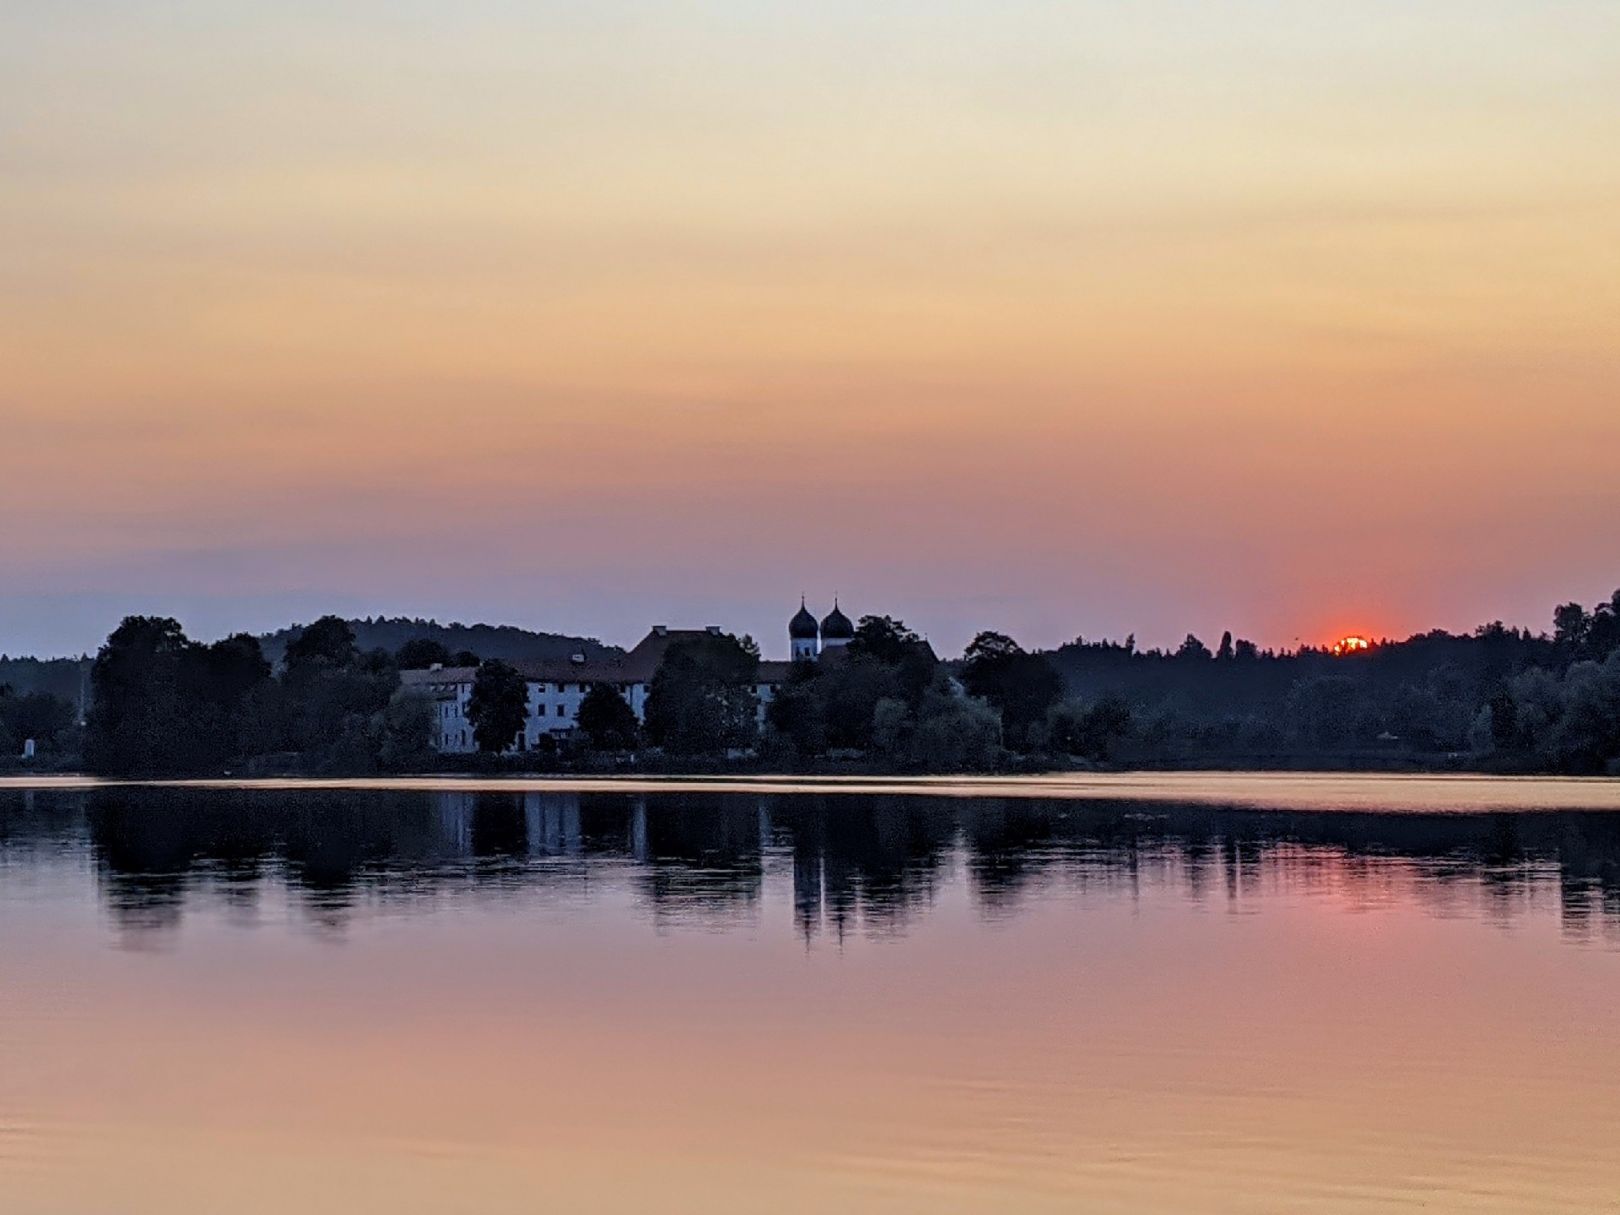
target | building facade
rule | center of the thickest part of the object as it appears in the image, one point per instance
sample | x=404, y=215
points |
x=556, y=688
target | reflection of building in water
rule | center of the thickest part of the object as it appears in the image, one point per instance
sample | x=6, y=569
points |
x=557, y=688
x=702, y=857
x=841, y=864
x=529, y=824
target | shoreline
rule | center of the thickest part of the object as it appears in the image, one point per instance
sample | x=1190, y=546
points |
x=1372, y=792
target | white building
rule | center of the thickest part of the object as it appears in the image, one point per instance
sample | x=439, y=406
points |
x=556, y=688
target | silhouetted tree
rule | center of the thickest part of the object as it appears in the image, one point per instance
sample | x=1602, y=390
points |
x=45, y=718
x=498, y=705
x=1091, y=731
x=884, y=638
x=1020, y=685
x=328, y=644
x=217, y=684
x=831, y=704
x=1322, y=711
x=893, y=728
x=1603, y=631
x=1193, y=649
x=797, y=713
x=1571, y=625
x=332, y=694
x=137, y=722
x=1587, y=734
x=606, y=719
x=849, y=693
x=955, y=733
x=405, y=734
x=945, y=732
x=1504, y=722
x=421, y=653
x=701, y=699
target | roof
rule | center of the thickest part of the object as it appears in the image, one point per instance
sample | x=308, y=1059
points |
x=837, y=625
x=426, y=680
x=641, y=663
x=638, y=666
x=803, y=626
x=542, y=671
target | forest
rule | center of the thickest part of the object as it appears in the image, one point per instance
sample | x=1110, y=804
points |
x=1498, y=699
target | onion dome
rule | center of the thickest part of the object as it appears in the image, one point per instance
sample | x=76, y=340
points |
x=837, y=626
x=803, y=625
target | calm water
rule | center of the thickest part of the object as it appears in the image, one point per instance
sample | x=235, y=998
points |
x=1177, y=994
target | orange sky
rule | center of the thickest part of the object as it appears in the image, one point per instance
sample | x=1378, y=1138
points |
x=1055, y=318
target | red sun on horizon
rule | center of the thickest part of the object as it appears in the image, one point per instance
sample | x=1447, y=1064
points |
x=1352, y=644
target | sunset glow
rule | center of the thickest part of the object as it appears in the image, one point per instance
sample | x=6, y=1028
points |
x=1043, y=318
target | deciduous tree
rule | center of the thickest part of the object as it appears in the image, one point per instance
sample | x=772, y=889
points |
x=701, y=700
x=606, y=719
x=498, y=705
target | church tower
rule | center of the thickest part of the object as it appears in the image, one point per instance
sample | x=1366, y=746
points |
x=836, y=629
x=804, y=637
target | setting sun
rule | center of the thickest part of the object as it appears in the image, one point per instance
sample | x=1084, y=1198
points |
x=1350, y=645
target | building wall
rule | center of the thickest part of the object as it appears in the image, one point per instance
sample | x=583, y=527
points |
x=452, y=732
x=553, y=709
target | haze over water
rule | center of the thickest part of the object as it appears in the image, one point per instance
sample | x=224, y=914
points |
x=518, y=998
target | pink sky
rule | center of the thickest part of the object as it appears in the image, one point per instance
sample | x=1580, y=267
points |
x=1055, y=319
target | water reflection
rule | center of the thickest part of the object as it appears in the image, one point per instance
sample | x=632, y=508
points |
x=852, y=863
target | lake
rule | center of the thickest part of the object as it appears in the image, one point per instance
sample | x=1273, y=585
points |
x=1164, y=993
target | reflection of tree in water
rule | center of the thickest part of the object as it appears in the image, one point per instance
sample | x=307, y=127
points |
x=702, y=856
x=500, y=830
x=156, y=849
x=35, y=823
x=848, y=863
x=1498, y=861
x=869, y=861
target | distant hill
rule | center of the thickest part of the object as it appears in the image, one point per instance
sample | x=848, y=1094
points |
x=486, y=640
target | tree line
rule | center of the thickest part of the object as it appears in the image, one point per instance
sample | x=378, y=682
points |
x=1498, y=698
x=885, y=699
x=163, y=703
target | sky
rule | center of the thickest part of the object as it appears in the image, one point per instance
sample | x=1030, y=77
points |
x=1293, y=319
